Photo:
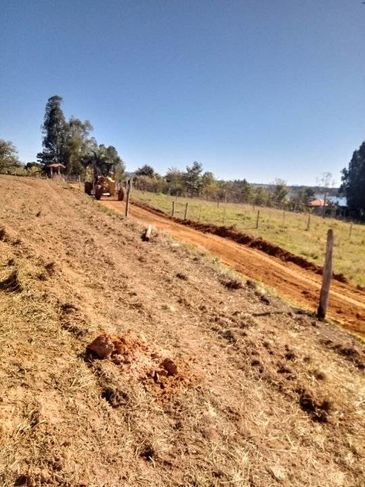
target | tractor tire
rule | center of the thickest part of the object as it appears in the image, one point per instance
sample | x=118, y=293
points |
x=98, y=192
x=88, y=187
x=120, y=194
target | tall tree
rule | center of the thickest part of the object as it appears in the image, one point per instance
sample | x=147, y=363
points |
x=54, y=133
x=77, y=145
x=353, y=180
x=8, y=156
x=193, y=178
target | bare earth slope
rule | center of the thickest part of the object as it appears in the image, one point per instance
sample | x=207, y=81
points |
x=263, y=394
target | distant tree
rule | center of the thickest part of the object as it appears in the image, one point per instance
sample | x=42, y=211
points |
x=175, y=181
x=353, y=180
x=193, y=179
x=280, y=192
x=209, y=185
x=33, y=167
x=145, y=170
x=246, y=192
x=261, y=196
x=54, y=133
x=8, y=156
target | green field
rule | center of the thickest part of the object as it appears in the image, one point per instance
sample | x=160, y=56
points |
x=288, y=230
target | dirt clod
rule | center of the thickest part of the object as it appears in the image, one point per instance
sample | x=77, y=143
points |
x=102, y=346
x=11, y=283
x=170, y=366
x=318, y=410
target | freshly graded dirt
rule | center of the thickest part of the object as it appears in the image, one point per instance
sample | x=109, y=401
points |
x=299, y=282
x=206, y=379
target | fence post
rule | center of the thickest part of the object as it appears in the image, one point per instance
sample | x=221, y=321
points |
x=186, y=210
x=326, y=279
x=129, y=188
x=257, y=219
x=173, y=209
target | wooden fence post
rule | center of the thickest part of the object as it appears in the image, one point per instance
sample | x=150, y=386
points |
x=326, y=279
x=173, y=209
x=257, y=219
x=186, y=210
x=129, y=188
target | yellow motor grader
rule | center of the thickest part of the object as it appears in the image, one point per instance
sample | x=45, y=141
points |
x=103, y=183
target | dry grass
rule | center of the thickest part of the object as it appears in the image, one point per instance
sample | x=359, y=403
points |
x=288, y=230
x=269, y=396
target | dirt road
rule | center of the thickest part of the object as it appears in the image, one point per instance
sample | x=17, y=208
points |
x=300, y=286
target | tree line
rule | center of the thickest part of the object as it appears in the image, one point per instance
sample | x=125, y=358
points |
x=70, y=143
x=195, y=182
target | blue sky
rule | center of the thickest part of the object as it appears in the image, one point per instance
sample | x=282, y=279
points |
x=253, y=88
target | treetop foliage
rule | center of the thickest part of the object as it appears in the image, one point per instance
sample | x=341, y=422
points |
x=8, y=156
x=353, y=181
x=145, y=170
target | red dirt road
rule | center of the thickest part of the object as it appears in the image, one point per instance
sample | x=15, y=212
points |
x=300, y=286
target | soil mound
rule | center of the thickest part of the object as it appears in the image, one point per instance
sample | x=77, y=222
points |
x=134, y=356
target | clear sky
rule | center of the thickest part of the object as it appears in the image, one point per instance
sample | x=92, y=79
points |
x=251, y=88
